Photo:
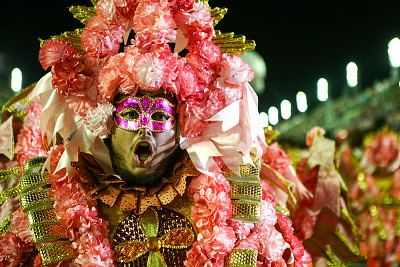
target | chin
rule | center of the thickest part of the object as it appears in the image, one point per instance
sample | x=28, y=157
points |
x=140, y=176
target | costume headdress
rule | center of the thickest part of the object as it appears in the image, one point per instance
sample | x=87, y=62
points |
x=216, y=107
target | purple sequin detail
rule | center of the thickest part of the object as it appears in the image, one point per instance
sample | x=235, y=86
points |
x=145, y=106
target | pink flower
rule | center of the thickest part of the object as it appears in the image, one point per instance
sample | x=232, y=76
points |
x=150, y=72
x=308, y=177
x=271, y=243
x=316, y=130
x=99, y=120
x=101, y=40
x=242, y=229
x=56, y=51
x=219, y=240
x=304, y=220
x=277, y=158
x=234, y=71
x=251, y=242
x=153, y=23
x=383, y=150
x=68, y=76
x=54, y=159
x=12, y=249
x=196, y=257
x=268, y=213
x=21, y=225
x=203, y=181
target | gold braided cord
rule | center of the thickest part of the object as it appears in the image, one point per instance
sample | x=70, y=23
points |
x=6, y=174
x=34, y=162
x=5, y=225
x=373, y=210
x=345, y=215
x=10, y=193
x=83, y=13
x=352, y=248
x=39, y=198
x=233, y=44
x=56, y=252
x=48, y=231
x=242, y=258
x=331, y=260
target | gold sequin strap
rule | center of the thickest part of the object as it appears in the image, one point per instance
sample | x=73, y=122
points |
x=56, y=252
x=10, y=193
x=42, y=214
x=35, y=162
x=33, y=181
x=242, y=258
x=35, y=199
x=6, y=174
x=245, y=190
x=246, y=210
x=48, y=231
x=5, y=225
x=248, y=172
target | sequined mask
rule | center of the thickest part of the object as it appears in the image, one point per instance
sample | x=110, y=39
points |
x=156, y=114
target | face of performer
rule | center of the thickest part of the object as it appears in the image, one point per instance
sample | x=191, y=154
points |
x=143, y=137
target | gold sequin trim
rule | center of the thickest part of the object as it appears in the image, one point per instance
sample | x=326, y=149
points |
x=6, y=174
x=130, y=251
x=34, y=162
x=33, y=181
x=352, y=248
x=246, y=210
x=245, y=190
x=178, y=238
x=48, y=231
x=42, y=214
x=378, y=223
x=5, y=225
x=233, y=44
x=56, y=252
x=242, y=258
x=10, y=193
x=36, y=199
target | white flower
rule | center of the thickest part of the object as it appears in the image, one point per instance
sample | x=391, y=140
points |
x=99, y=119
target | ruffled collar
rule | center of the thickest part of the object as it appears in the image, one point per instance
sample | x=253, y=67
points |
x=114, y=192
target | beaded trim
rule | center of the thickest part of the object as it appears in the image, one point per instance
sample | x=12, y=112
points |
x=242, y=258
x=56, y=252
x=34, y=162
x=248, y=172
x=33, y=181
x=5, y=225
x=246, y=210
x=48, y=231
x=6, y=174
x=245, y=190
x=10, y=193
x=36, y=199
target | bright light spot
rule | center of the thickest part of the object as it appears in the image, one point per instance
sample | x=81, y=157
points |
x=394, y=52
x=16, y=80
x=301, y=100
x=273, y=115
x=264, y=119
x=352, y=74
x=322, y=89
x=286, y=109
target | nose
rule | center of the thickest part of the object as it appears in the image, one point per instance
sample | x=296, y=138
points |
x=144, y=132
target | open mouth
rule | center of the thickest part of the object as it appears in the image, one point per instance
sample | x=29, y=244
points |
x=143, y=153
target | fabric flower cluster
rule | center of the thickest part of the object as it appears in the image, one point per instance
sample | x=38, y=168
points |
x=204, y=81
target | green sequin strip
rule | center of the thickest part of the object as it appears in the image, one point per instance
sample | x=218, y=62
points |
x=36, y=199
x=42, y=214
x=33, y=181
x=245, y=190
x=48, y=231
x=246, y=210
x=6, y=174
x=56, y=252
x=34, y=162
x=5, y=225
x=10, y=193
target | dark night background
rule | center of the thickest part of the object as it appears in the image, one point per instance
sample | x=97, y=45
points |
x=300, y=41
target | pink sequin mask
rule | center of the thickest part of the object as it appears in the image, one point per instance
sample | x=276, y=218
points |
x=156, y=114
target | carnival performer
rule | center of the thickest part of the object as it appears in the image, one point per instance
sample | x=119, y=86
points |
x=146, y=157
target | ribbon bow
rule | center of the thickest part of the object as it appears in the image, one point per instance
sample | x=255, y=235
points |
x=178, y=238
